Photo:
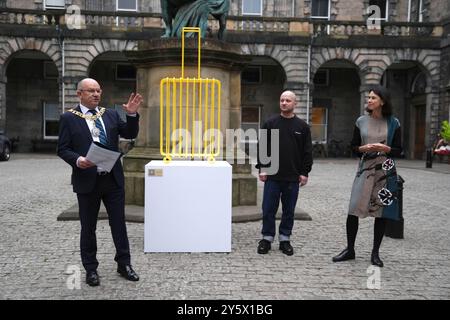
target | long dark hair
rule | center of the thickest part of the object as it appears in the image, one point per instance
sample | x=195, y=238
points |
x=383, y=93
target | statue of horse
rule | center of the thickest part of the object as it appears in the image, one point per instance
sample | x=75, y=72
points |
x=193, y=13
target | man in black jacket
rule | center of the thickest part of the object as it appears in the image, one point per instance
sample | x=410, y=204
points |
x=283, y=178
x=78, y=128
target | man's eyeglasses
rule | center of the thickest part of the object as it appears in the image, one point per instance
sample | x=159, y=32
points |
x=92, y=91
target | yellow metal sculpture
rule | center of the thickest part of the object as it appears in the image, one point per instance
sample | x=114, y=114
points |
x=190, y=113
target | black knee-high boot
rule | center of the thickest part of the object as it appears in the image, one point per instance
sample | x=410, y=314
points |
x=352, y=229
x=378, y=233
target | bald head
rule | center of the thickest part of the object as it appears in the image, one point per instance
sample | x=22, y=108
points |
x=86, y=82
x=89, y=93
x=289, y=94
x=288, y=101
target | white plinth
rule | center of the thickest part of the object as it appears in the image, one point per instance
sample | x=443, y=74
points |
x=187, y=206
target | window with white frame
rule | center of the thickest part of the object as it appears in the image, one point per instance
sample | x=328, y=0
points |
x=320, y=9
x=54, y=4
x=252, y=7
x=383, y=5
x=416, y=11
x=126, y=5
x=319, y=124
x=50, y=121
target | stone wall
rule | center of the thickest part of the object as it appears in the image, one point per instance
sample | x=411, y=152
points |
x=349, y=10
x=438, y=10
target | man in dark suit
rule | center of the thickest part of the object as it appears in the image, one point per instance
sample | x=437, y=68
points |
x=78, y=128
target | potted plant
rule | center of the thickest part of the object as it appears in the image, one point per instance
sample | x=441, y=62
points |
x=445, y=131
x=443, y=147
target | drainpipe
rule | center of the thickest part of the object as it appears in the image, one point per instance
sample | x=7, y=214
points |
x=409, y=10
x=63, y=67
x=308, y=82
x=309, y=75
x=329, y=17
x=63, y=74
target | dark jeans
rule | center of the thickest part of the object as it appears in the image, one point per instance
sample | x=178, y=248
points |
x=113, y=197
x=273, y=191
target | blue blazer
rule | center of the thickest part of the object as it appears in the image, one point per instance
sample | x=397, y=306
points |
x=75, y=139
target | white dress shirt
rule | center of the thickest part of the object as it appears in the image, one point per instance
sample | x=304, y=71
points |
x=90, y=123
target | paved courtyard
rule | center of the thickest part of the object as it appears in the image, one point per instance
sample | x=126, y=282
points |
x=39, y=256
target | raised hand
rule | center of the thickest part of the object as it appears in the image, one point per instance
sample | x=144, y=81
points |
x=133, y=104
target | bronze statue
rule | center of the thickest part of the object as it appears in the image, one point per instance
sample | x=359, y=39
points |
x=193, y=13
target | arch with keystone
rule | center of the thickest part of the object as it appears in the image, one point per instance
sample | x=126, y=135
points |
x=373, y=63
x=10, y=47
x=80, y=56
x=293, y=60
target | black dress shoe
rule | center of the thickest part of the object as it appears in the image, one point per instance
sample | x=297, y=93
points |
x=127, y=272
x=375, y=260
x=92, y=278
x=346, y=254
x=264, y=246
x=286, y=248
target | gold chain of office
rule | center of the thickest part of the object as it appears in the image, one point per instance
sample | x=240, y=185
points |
x=89, y=117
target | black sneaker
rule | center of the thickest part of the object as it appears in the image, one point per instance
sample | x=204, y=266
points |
x=264, y=246
x=286, y=248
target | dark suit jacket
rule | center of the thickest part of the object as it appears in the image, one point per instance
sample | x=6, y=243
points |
x=75, y=140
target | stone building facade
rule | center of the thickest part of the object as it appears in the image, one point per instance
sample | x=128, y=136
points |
x=324, y=50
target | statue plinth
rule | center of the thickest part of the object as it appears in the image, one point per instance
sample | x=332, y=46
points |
x=160, y=58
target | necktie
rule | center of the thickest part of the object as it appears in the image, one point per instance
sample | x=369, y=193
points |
x=98, y=125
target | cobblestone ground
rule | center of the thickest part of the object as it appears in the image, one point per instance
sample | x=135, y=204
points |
x=38, y=255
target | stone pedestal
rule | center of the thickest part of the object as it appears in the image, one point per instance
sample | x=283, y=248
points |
x=160, y=58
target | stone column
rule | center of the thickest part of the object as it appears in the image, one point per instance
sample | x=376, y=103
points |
x=364, y=94
x=2, y=102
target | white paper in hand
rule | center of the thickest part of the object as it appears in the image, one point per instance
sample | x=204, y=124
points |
x=102, y=157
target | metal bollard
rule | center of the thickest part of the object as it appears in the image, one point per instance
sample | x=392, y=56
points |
x=394, y=228
x=429, y=162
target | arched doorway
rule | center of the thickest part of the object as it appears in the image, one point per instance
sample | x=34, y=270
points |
x=116, y=76
x=32, y=101
x=335, y=106
x=408, y=84
x=262, y=82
